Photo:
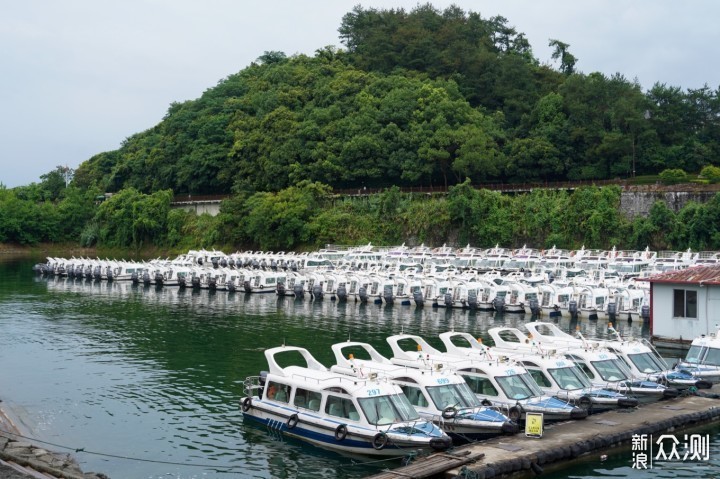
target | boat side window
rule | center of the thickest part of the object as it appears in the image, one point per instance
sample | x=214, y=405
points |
x=307, y=399
x=609, y=370
x=515, y=387
x=582, y=365
x=694, y=354
x=278, y=392
x=341, y=407
x=481, y=385
x=383, y=410
x=569, y=378
x=540, y=378
x=415, y=396
x=645, y=362
x=712, y=357
x=588, y=372
x=447, y=395
x=624, y=361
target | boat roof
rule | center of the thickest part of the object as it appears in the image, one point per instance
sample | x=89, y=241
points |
x=429, y=356
x=382, y=366
x=318, y=377
x=476, y=349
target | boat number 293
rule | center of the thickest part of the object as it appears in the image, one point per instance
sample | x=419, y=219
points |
x=373, y=392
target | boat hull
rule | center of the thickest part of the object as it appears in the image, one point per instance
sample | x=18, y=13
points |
x=324, y=432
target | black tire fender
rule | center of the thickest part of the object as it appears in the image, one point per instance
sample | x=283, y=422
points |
x=379, y=441
x=449, y=412
x=515, y=413
x=247, y=404
x=292, y=421
x=341, y=432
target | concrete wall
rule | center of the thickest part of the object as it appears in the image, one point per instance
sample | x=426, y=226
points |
x=638, y=203
x=199, y=207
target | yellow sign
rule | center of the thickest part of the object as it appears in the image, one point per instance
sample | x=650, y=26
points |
x=533, y=424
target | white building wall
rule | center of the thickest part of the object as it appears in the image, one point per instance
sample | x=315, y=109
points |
x=667, y=327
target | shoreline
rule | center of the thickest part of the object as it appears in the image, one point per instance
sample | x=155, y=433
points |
x=6, y=420
x=20, y=458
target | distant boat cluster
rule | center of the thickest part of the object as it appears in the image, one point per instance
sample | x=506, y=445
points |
x=595, y=284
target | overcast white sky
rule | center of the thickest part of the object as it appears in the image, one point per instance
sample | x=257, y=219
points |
x=80, y=76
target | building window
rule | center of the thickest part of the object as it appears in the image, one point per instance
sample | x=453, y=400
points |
x=684, y=303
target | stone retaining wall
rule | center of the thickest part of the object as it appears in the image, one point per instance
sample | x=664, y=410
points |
x=638, y=203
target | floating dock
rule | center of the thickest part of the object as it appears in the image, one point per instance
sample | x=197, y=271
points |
x=525, y=456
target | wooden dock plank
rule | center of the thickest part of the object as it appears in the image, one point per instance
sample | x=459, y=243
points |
x=430, y=466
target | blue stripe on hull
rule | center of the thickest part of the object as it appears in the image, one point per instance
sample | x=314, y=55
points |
x=328, y=441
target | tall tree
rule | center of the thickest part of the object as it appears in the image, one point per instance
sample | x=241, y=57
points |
x=562, y=52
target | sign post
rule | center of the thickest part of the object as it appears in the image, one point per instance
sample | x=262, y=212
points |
x=533, y=424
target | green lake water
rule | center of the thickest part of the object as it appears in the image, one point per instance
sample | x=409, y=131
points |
x=146, y=381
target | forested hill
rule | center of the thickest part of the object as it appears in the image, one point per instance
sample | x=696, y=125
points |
x=425, y=97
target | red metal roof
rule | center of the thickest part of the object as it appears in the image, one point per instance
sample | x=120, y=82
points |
x=694, y=275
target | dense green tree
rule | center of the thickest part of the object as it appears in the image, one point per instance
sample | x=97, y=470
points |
x=54, y=182
x=280, y=220
x=75, y=210
x=673, y=176
x=131, y=219
x=27, y=222
x=654, y=231
x=593, y=217
x=697, y=226
x=711, y=173
x=420, y=97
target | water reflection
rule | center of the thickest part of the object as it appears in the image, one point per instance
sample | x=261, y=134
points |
x=333, y=315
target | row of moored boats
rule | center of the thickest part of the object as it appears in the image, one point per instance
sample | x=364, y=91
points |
x=583, y=283
x=423, y=398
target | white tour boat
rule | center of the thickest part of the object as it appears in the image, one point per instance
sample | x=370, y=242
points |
x=439, y=395
x=335, y=411
x=496, y=380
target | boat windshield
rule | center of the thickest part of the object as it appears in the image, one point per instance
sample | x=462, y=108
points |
x=703, y=355
x=646, y=362
x=570, y=378
x=519, y=386
x=456, y=395
x=609, y=369
x=382, y=410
